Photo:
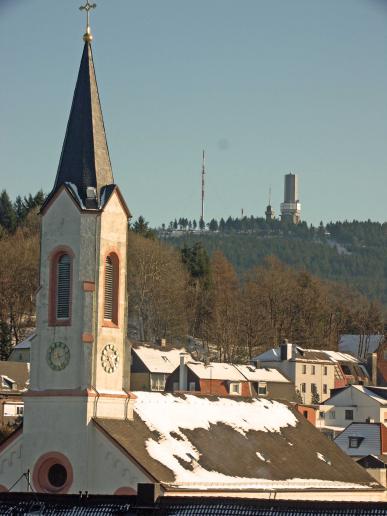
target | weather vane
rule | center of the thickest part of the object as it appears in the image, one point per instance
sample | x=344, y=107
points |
x=87, y=7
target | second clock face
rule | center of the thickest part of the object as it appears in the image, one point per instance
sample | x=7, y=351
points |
x=58, y=356
x=109, y=358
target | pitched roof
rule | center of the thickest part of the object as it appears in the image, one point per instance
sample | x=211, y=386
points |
x=261, y=374
x=85, y=160
x=369, y=439
x=207, y=442
x=17, y=371
x=299, y=354
x=216, y=371
x=157, y=359
x=359, y=345
x=26, y=343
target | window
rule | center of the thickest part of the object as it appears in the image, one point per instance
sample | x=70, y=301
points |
x=111, y=289
x=157, y=381
x=63, y=287
x=322, y=415
x=313, y=388
x=235, y=388
x=303, y=387
x=60, y=288
x=325, y=388
x=354, y=442
x=262, y=388
x=305, y=414
x=349, y=415
x=304, y=369
x=332, y=414
x=313, y=369
x=325, y=370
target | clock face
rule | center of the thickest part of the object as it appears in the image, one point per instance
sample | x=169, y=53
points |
x=58, y=356
x=109, y=358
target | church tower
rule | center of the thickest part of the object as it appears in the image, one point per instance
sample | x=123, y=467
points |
x=80, y=366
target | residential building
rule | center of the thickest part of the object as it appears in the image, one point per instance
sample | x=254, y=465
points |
x=22, y=351
x=152, y=364
x=311, y=371
x=354, y=403
x=268, y=382
x=14, y=380
x=214, y=378
x=362, y=439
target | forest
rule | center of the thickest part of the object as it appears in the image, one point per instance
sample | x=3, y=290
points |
x=240, y=293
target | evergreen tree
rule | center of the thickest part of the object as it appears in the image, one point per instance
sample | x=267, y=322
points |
x=213, y=225
x=202, y=224
x=315, y=395
x=5, y=340
x=19, y=209
x=7, y=213
x=141, y=227
x=194, y=224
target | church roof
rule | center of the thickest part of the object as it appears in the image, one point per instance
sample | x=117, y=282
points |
x=85, y=163
x=181, y=441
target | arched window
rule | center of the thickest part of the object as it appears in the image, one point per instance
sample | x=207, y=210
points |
x=111, y=289
x=63, y=287
x=60, y=288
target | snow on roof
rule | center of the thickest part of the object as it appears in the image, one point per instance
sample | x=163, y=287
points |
x=216, y=371
x=359, y=345
x=271, y=355
x=26, y=344
x=261, y=374
x=378, y=394
x=209, y=442
x=337, y=356
x=159, y=360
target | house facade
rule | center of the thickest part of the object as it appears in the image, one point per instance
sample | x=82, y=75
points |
x=311, y=371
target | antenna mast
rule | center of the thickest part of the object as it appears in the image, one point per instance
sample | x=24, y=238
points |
x=203, y=172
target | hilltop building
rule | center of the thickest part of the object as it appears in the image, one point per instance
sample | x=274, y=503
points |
x=291, y=207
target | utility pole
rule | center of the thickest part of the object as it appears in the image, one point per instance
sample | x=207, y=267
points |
x=203, y=172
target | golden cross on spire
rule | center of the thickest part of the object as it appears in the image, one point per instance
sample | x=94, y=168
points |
x=87, y=7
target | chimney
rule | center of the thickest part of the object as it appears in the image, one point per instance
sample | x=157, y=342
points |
x=161, y=342
x=286, y=350
x=183, y=372
x=374, y=369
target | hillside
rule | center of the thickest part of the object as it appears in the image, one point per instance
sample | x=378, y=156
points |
x=354, y=253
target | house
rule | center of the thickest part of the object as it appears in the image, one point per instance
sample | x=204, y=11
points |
x=312, y=371
x=22, y=351
x=14, y=379
x=268, y=382
x=354, y=403
x=152, y=364
x=214, y=378
x=362, y=439
x=349, y=370
x=376, y=467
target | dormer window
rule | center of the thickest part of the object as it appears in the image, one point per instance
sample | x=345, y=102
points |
x=111, y=290
x=355, y=442
x=61, y=288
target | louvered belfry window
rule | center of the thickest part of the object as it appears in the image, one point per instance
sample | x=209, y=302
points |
x=109, y=288
x=63, y=290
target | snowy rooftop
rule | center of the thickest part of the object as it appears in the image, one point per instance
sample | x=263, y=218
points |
x=26, y=344
x=157, y=359
x=196, y=442
x=261, y=374
x=216, y=371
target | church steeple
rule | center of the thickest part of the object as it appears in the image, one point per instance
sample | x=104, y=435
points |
x=85, y=161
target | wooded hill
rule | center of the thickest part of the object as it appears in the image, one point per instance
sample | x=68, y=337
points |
x=353, y=253
x=181, y=290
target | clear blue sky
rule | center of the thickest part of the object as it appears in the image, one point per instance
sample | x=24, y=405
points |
x=265, y=86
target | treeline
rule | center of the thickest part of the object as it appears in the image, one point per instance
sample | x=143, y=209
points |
x=174, y=292
x=14, y=214
x=245, y=225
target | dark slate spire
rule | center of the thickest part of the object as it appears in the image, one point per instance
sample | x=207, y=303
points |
x=85, y=160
